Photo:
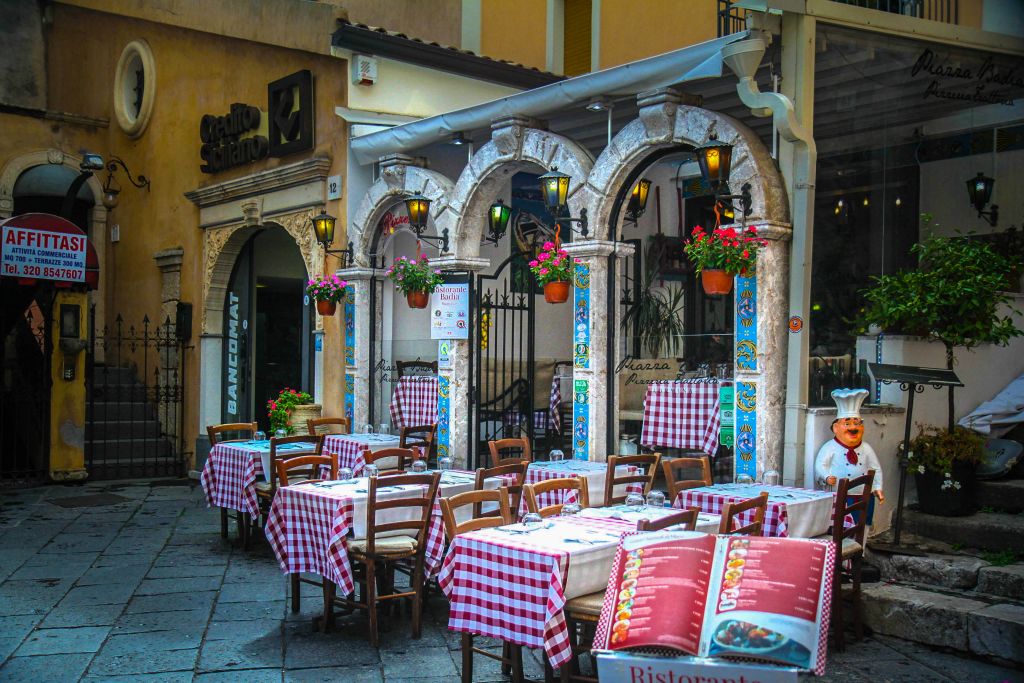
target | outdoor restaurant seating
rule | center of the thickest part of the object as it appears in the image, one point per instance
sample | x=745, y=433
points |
x=732, y=511
x=266, y=489
x=216, y=433
x=304, y=468
x=581, y=616
x=406, y=457
x=513, y=475
x=373, y=556
x=849, y=541
x=629, y=474
x=421, y=436
x=694, y=466
x=686, y=520
x=328, y=425
x=505, y=451
x=533, y=493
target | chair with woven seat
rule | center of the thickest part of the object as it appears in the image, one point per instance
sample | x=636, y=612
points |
x=513, y=475
x=732, y=511
x=616, y=478
x=243, y=431
x=687, y=519
x=581, y=615
x=674, y=468
x=386, y=543
x=406, y=457
x=533, y=492
x=328, y=425
x=518, y=450
x=849, y=542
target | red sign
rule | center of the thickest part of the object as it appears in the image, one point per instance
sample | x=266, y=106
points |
x=44, y=247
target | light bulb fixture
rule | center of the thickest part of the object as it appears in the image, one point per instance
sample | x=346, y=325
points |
x=554, y=186
x=459, y=139
x=842, y=211
x=899, y=202
x=417, y=207
x=979, y=189
x=599, y=104
x=323, y=228
x=714, y=158
x=866, y=201
x=497, y=221
x=112, y=189
x=638, y=200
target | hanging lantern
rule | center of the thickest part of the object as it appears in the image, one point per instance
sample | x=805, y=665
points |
x=979, y=189
x=418, y=208
x=497, y=220
x=323, y=228
x=715, y=161
x=555, y=188
x=638, y=199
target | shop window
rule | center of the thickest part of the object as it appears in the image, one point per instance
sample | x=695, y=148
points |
x=134, y=87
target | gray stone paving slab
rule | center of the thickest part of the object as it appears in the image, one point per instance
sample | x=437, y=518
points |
x=236, y=611
x=167, y=677
x=353, y=674
x=171, y=602
x=419, y=661
x=103, y=594
x=177, y=639
x=142, y=662
x=82, y=615
x=44, y=668
x=31, y=597
x=197, y=584
x=181, y=621
x=248, y=675
x=61, y=641
x=185, y=572
x=235, y=654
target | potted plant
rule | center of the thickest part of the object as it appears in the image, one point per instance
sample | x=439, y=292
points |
x=291, y=408
x=943, y=464
x=326, y=291
x=415, y=279
x=656, y=315
x=722, y=254
x=553, y=269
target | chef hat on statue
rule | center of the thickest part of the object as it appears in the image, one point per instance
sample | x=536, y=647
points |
x=849, y=401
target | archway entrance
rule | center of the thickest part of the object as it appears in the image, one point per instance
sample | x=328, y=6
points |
x=267, y=327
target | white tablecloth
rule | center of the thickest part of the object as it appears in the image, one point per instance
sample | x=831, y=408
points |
x=594, y=472
x=808, y=513
x=707, y=523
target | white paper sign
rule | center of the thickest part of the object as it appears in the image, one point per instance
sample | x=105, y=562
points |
x=449, y=311
x=333, y=187
x=43, y=254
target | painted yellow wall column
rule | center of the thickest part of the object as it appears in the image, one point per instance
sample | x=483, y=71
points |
x=67, y=396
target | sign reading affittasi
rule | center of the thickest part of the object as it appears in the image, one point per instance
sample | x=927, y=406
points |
x=449, y=309
x=33, y=252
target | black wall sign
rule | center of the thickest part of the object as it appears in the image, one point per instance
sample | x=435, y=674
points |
x=290, y=107
x=223, y=146
x=985, y=82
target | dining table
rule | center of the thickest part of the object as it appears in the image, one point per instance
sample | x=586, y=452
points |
x=683, y=414
x=233, y=467
x=311, y=523
x=793, y=512
x=348, y=449
x=596, y=473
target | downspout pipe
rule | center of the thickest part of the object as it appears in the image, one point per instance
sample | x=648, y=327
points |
x=744, y=58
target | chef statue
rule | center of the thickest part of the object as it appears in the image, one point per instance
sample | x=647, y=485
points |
x=846, y=455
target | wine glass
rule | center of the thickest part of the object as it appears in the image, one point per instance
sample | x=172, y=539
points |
x=345, y=474
x=571, y=509
x=367, y=428
x=655, y=499
x=744, y=479
x=370, y=471
x=419, y=467
x=532, y=520
x=635, y=502
x=556, y=455
x=259, y=436
x=770, y=478
x=281, y=433
x=384, y=428
x=444, y=463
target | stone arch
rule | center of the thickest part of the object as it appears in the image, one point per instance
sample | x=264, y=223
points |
x=399, y=176
x=514, y=146
x=663, y=123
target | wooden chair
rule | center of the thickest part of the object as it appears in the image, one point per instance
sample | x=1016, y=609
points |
x=687, y=519
x=328, y=425
x=421, y=436
x=216, y=434
x=406, y=457
x=534, y=491
x=674, y=467
x=373, y=556
x=521, y=445
x=849, y=543
x=266, y=490
x=613, y=478
x=759, y=504
x=515, y=490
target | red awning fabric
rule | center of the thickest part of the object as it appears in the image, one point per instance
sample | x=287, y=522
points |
x=50, y=223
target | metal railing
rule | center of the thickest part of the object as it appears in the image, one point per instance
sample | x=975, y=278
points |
x=731, y=19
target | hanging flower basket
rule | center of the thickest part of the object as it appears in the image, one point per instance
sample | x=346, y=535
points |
x=326, y=308
x=716, y=281
x=326, y=291
x=417, y=299
x=556, y=292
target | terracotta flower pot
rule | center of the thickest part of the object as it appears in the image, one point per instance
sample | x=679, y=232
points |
x=716, y=281
x=417, y=299
x=556, y=292
x=326, y=307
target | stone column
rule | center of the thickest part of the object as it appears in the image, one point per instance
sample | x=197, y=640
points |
x=591, y=351
x=357, y=366
x=454, y=430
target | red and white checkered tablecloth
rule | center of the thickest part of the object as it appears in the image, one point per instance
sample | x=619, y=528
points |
x=515, y=587
x=229, y=477
x=414, y=402
x=682, y=414
x=348, y=449
x=555, y=404
x=595, y=473
x=777, y=515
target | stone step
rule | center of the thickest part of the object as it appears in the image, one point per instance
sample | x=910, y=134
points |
x=113, y=429
x=1005, y=581
x=108, y=411
x=109, y=374
x=1002, y=494
x=102, y=450
x=987, y=530
x=946, y=619
x=946, y=571
x=105, y=393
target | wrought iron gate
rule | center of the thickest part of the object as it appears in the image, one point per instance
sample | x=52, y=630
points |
x=134, y=394
x=503, y=359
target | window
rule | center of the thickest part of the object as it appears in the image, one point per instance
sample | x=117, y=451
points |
x=134, y=87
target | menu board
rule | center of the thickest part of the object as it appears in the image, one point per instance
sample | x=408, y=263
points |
x=731, y=596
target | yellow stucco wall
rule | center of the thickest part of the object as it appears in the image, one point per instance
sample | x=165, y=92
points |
x=515, y=30
x=634, y=30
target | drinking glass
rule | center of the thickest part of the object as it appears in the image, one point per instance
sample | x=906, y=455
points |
x=444, y=463
x=281, y=433
x=744, y=479
x=770, y=478
x=635, y=502
x=367, y=428
x=370, y=471
x=384, y=428
x=419, y=467
x=571, y=509
x=655, y=499
x=556, y=455
x=345, y=474
x=532, y=520
x=259, y=436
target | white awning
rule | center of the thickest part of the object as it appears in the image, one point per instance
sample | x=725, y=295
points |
x=703, y=60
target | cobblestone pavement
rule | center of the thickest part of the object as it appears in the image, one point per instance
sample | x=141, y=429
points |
x=144, y=589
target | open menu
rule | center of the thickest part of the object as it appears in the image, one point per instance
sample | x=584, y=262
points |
x=720, y=596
